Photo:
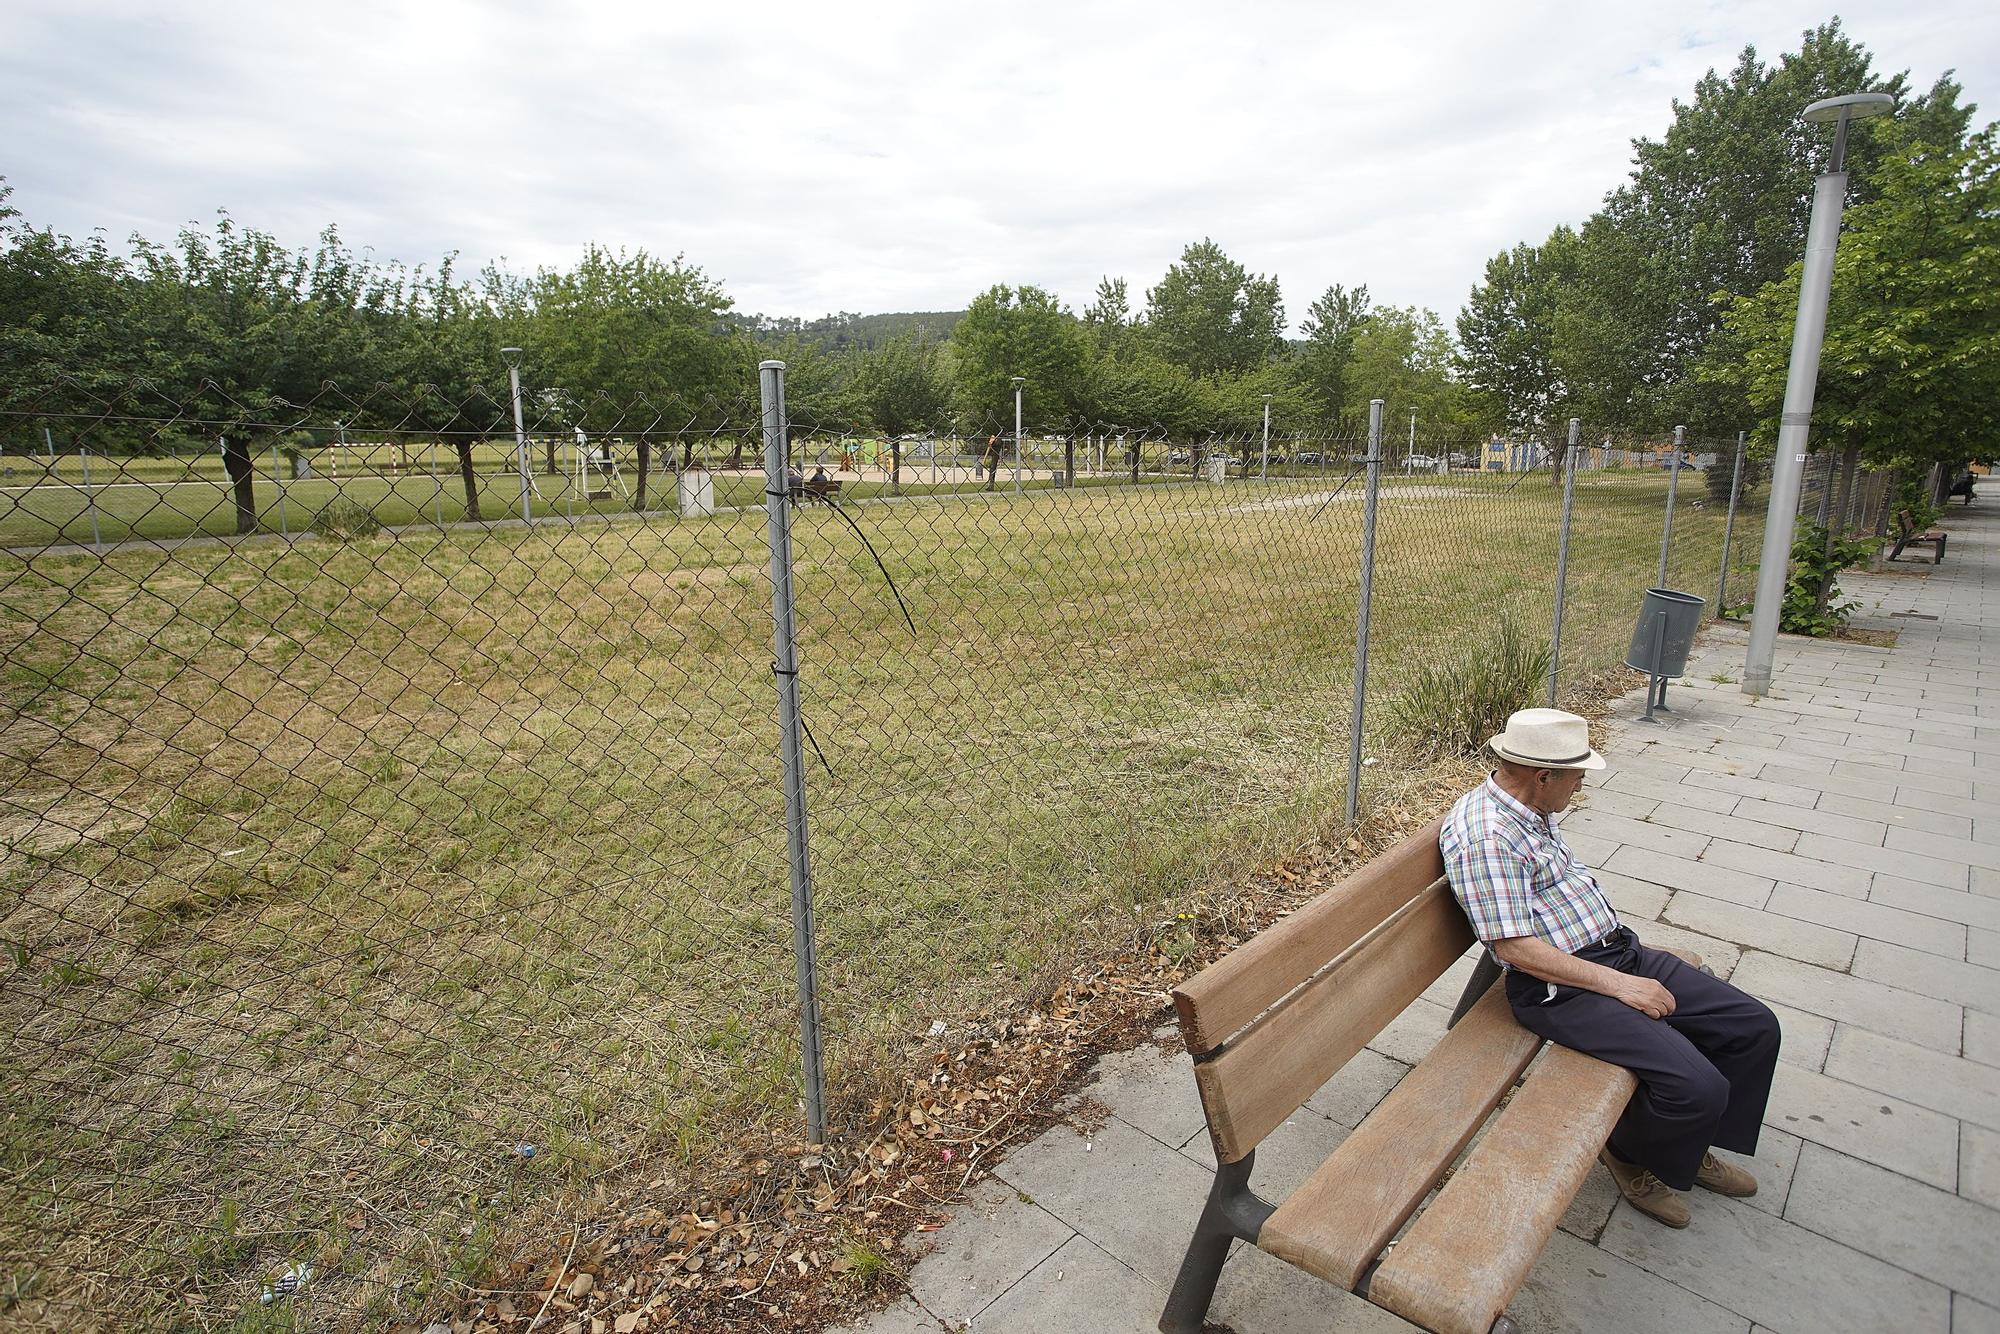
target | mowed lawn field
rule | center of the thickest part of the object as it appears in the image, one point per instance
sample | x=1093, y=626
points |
x=336, y=874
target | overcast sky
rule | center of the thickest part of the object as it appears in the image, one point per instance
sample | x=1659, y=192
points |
x=818, y=157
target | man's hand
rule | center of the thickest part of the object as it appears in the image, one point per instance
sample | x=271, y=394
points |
x=1642, y=994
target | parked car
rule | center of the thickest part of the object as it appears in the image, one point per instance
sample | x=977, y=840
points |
x=1308, y=456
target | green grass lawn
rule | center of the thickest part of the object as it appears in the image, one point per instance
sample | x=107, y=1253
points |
x=335, y=871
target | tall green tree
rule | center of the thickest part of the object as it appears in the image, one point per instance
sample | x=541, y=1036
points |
x=1330, y=327
x=904, y=387
x=1507, y=334
x=1209, y=315
x=1025, y=331
x=1910, y=369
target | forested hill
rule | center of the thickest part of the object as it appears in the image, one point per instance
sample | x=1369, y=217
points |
x=846, y=329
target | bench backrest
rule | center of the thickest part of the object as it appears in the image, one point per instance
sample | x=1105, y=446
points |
x=1272, y=1021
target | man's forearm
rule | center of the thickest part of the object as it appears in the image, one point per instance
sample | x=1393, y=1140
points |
x=1537, y=958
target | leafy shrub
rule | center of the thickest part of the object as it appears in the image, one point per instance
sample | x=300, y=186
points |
x=1451, y=707
x=1812, y=582
x=345, y=520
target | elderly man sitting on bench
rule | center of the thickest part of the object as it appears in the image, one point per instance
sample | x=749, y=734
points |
x=1702, y=1051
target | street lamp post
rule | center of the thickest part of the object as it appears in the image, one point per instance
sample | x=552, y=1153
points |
x=1019, y=380
x=513, y=355
x=1815, y=286
x=1264, y=463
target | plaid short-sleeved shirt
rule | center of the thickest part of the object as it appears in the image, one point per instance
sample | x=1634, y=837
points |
x=1515, y=876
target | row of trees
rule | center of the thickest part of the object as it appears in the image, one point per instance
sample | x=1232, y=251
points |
x=1674, y=302
x=1671, y=304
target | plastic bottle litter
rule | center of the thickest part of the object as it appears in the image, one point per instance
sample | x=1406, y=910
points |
x=288, y=1283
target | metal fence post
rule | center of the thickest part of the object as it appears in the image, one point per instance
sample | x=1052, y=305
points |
x=1562, y=555
x=1018, y=382
x=1264, y=463
x=1673, y=488
x=1729, y=528
x=1374, y=462
x=520, y=432
x=785, y=665
x=278, y=481
x=90, y=500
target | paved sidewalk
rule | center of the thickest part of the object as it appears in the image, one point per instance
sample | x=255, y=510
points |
x=1836, y=849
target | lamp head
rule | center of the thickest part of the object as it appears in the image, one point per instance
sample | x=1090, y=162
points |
x=1020, y=380
x=512, y=355
x=1851, y=106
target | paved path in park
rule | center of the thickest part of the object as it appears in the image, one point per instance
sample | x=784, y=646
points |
x=1835, y=848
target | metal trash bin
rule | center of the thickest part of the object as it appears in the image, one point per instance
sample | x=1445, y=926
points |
x=1664, y=635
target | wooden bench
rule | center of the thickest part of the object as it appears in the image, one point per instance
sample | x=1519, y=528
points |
x=1272, y=1021
x=1908, y=536
x=819, y=488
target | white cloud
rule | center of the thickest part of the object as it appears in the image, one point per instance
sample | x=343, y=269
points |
x=902, y=156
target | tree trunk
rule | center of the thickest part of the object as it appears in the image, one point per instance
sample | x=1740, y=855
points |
x=1135, y=458
x=549, y=456
x=242, y=479
x=645, y=461
x=1069, y=460
x=896, y=466
x=471, y=481
x=992, y=462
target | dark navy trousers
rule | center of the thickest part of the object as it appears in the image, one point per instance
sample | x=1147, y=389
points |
x=1704, y=1071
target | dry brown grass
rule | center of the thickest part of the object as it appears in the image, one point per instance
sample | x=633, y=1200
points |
x=336, y=872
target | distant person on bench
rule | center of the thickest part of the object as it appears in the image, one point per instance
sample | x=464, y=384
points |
x=1962, y=487
x=1703, y=1052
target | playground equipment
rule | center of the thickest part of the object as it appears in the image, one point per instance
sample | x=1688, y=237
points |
x=595, y=472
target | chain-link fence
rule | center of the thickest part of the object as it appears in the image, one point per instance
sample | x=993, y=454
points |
x=396, y=836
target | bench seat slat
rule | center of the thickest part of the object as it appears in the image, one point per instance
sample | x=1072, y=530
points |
x=1461, y=1263
x=1339, y=1221
x=1262, y=1076
x=1235, y=989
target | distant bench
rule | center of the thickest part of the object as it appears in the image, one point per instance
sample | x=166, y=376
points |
x=1908, y=536
x=1272, y=1021
x=819, y=488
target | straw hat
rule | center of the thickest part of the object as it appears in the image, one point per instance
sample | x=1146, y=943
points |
x=1546, y=739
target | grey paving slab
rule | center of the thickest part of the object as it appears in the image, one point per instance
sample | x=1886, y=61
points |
x=1933, y=1233
x=1355, y=1089
x=1855, y=1000
x=1718, y=956
x=1762, y=789
x=1719, y=882
x=1927, y=975
x=1620, y=830
x=1286, y=1158
x=1123, y=1189
x=1973, y=1317
x=1806, y=1036
x=1590, y=849
x=1410, y=1036
x=1813, y=865
x=1080, y=1287
x=1982, y=1037
x=1734, y=828
x=1944, y=1083
x=1667, y=790
x=1952, y=905
x=1979, y=1164
x=991, y=1242
x=1791, y=775
x=1261, y=1294
x=1609, y=799
x=1915, y=1141
x=1811, y=819
x=1634, y=899
x=1905, y=780
x=1860, y=859
x=1862, y=917
x=1153, y=1090
x=1578, y=1289
x=901, y=1316
x=1781, y=1275
x=1755, y=929
x=1968, y=850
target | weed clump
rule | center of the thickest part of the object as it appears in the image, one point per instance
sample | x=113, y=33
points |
x=345, y=520
x=1451, y=707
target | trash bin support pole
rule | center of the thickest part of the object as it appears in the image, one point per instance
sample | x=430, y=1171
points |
x=785, y=665
x=1562, y=557
x=1673, y=488
x=1653, y=678
x=1374, y=462
x=1728, y=529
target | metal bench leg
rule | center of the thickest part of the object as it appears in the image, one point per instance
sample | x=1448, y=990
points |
x=1232, y=1213
x=1483, y=975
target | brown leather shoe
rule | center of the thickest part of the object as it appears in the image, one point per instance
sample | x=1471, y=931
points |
x=1724, y=1178
x=1646, y=1192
